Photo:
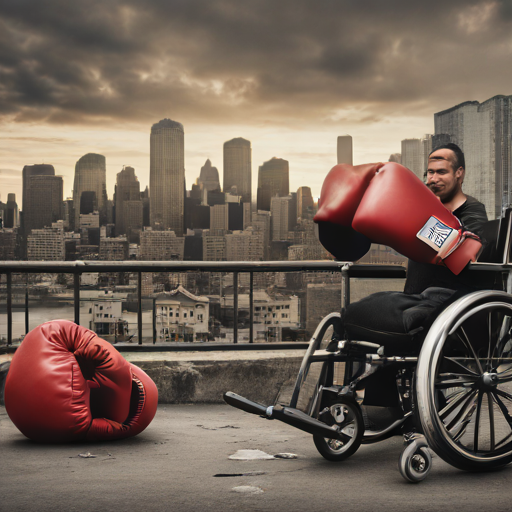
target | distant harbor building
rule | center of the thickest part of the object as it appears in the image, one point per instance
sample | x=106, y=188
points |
x=182, y=316
x=344, y=149
x=484, y=133
x=273, y=180
x=47, y=244
x=167, y=176
x=90, y=176
x=238, y=168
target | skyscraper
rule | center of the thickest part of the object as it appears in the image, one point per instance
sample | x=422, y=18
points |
x=45, y=202
x=27, y=173
x=167, y=176
x=90, y=176
x=127, y=189
x=412, y=156
x=237, y=167
x=484, y=132
x=208, y=177
x=344, y=149
x=273, y=180
x=305, y=203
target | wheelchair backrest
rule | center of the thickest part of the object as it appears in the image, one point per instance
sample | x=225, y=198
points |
x=496, y=237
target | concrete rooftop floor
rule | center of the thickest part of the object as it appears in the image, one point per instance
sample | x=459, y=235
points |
x=176, y=463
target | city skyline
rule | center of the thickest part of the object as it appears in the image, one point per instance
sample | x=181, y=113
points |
x=289, y=77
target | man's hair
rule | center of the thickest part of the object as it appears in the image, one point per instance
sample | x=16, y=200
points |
x=459, y=161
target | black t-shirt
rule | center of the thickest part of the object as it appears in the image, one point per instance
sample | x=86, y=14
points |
x=421, y=276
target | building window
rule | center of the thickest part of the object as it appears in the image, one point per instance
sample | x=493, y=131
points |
x=200, y=317
x=105, y=315
x=184, y=315
x=191, y=313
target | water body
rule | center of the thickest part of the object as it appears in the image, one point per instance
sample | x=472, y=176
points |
x=39, y=315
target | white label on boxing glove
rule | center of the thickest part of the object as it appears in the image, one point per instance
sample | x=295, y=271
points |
x=438, y=235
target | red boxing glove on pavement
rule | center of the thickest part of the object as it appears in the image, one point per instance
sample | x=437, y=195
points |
x=342, y=191
x=398, y=210
x=67, y=384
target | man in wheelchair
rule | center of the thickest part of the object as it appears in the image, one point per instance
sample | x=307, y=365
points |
x=433, y=361
x=398, y=320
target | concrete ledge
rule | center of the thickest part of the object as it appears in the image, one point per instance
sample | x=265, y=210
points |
x=198, y=377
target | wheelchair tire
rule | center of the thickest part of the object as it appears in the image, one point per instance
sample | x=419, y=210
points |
x=347, y=415
x=464, y=382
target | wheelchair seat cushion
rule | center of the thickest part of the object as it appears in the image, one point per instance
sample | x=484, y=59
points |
x=394, y=320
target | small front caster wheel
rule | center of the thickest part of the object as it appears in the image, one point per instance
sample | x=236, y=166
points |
x=415, y=461
x=345, y=414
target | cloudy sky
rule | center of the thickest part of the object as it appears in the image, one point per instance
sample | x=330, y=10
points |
x=289, y=75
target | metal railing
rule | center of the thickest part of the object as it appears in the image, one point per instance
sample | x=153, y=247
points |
x=77, y=268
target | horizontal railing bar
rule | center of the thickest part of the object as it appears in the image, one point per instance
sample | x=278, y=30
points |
x=195, y=347
x=81, y=267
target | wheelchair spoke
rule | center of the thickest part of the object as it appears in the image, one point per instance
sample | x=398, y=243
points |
x=465, y=381
x=461, y=366
x=469, y=346
x=477, y=421
x=489, y=325
x=465, y=412
x=490, y=404
x=458, y=400
x=505, y=375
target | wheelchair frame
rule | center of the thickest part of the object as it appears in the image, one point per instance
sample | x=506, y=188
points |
x=453, y=396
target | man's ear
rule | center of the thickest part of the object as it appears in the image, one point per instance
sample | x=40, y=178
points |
x=460, y=173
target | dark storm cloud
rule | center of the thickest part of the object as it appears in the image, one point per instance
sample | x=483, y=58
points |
x=226, y=60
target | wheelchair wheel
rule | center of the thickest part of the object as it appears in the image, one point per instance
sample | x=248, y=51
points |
x=464, y=382
x=347, y=415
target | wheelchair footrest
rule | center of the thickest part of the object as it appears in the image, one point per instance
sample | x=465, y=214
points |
x=289, y=415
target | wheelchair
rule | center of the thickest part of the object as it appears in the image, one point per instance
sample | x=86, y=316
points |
x=454, y=383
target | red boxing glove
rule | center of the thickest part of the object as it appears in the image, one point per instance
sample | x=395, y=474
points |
x=398, y=210
x=342, y=191
x=67, y=384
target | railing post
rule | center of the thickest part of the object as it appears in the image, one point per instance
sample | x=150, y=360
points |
x=251, y=307
x=139, y=311
x=9, y=309
x=76, y=294
x=345, y=279
x=235, y=307
x=154, y=321
x=27, y=326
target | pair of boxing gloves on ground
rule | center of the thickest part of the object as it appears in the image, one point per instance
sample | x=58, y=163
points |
x=388, y=204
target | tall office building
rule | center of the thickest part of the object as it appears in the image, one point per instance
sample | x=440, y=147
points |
x=10, y=214
x=208, y=178
x=280, y=210
x=344, y=149
x=305, y=203
x=484, y=132
x=27, y=173
x=44, y=202
x=273, y=180
x=412, y=156
x=167, y=176
x=237, y=168
x=127, y=189
x=90, y=176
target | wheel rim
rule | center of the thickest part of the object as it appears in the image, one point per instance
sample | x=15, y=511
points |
x=468, y=399
x=345, y=418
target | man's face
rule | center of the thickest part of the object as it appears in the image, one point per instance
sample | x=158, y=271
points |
x=442, y=178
